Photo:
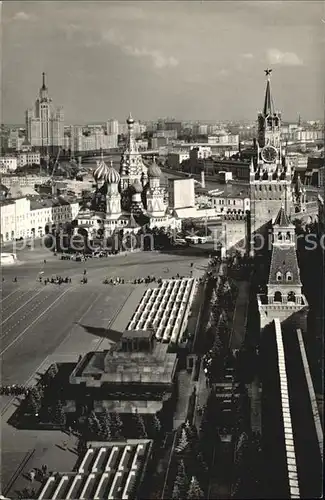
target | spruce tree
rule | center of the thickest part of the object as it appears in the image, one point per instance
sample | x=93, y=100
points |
x=32, y=404
x=191, y=432
x=194, y=492
x=214, y=297
x=181, y=482
x=105, y=425
x=183, y=442
x=176, y=493
x=53, y=370
x=156, y=425
x=140, y=426
x=59, y=416
x=117, y=426
x=93, y=426
x=81, y=446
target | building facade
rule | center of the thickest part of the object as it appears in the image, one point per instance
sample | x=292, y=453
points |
x=112, y=127
x=176, y=158
x=181, y=193
x=28, y=158
x=230, y=204
x=23, y=180
x=8, y=164
x=77, y=139
x=25, y=218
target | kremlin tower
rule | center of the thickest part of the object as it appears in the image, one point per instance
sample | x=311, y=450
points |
x=271, y=177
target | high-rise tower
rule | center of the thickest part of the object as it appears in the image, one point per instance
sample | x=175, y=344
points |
x=44, y=123
x=271, y=176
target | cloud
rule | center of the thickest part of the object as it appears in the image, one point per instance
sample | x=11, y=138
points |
x=159, y=59
x=22, y=16
x=275, y=56
x=223, y=72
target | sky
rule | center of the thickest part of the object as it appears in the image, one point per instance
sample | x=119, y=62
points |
x=192, y=60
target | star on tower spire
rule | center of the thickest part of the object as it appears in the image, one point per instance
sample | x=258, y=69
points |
x=268, y=108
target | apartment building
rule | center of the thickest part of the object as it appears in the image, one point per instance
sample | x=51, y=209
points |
x=28, y=218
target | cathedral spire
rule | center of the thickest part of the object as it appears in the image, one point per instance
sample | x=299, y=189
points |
x=268, y=108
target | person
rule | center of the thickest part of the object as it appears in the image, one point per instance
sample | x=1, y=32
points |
x=85, y=271
x=44, y=261
x=15, y=279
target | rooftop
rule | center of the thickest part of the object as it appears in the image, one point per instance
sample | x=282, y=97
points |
x=36, y=204
x=284, y=259
x=116, y=367
x=231, y=191
x=282, y=219
x=137, y=334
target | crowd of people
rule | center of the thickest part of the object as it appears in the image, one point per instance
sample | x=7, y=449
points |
x=83, y=257
x=57, y=280
x=13, y=390
x=138, y=281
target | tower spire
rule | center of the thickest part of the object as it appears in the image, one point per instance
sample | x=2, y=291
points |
x=43, y=81
x=268, y=108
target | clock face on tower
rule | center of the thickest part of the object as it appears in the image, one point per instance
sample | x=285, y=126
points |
x=269, y=154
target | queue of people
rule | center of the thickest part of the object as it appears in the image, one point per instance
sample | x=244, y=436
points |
x=13, y=390
x=83, y=257
x=58, y=280
x=138, y=281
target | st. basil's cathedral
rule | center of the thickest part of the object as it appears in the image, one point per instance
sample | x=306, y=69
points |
x=129, y=199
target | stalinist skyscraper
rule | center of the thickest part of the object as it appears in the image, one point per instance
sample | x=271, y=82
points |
x=45, y=123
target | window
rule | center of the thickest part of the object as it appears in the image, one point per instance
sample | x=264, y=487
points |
x=279, y=276
x=289, y=276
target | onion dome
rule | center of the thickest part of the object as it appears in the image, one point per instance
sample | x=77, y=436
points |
x=137, y=187
x=154, y=170
x=101, y=171
x=112, y=177
x=130, y=120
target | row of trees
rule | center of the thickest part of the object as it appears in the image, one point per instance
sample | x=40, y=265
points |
x=218, y=329
x=36, y=397
x=191, y=468
x=108, y=426
x=247, y=480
